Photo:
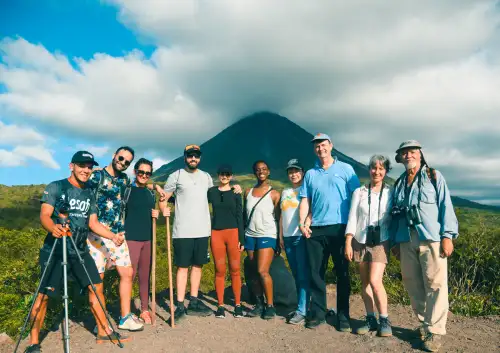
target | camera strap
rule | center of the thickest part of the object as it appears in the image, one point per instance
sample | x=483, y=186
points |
x=370, y=202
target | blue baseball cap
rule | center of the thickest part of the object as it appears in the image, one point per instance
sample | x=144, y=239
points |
x=321, y=137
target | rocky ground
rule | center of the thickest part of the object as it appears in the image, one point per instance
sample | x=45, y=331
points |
x=255, y=335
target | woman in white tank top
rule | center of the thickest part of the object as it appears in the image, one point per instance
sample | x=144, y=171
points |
x=262, y=213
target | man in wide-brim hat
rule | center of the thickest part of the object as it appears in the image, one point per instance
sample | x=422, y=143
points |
x=424, y=225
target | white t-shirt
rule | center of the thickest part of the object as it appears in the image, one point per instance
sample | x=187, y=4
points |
x=358, y=215
x=192, y=216
x=290, y=212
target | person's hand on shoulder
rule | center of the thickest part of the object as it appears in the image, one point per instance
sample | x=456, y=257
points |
x=237, y=189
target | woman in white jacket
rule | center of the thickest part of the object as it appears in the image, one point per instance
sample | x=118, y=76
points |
x=367, y=243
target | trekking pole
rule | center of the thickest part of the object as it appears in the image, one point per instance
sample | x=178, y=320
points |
x=153, y=275
x=169, y=254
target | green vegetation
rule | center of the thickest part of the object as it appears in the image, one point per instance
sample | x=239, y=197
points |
x=474, y=269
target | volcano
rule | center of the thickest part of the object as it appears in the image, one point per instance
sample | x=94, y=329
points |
x=261, y=136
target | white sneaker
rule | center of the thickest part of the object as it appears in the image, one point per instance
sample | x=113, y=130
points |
x=130, y=324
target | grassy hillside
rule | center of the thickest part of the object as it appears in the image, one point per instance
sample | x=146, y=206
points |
x=474, y=269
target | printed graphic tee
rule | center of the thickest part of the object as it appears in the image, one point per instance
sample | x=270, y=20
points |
x=80, y=204
x=290, y=212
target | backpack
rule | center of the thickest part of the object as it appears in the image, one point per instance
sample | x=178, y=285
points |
x=126, y=196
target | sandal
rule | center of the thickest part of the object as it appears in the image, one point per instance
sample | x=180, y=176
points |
x=146, y=317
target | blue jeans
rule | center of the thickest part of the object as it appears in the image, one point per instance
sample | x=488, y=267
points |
x=295, y=248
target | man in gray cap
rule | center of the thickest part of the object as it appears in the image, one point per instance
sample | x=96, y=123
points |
x=326, y=193
x=424, y=224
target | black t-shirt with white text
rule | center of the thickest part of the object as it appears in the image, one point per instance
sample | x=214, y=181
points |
x=80, y=204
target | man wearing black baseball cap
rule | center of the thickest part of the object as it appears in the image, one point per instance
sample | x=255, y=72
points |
x=84, y=157
x=71, y=194
x=191, y=230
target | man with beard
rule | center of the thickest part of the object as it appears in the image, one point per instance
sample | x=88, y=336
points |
x=109, y=185
x=192, y=228
x=71, y=193
x=326, y=193
x=424, y=224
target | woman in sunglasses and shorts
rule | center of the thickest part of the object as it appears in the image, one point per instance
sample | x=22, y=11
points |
x=140, y=210
x=227, y=238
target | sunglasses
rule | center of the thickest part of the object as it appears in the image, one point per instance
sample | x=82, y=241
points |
x=197, y=156
x=124, y=161
x=143, y=173
x=227, y=175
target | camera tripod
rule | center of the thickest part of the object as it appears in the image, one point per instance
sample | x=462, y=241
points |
x=67, y=235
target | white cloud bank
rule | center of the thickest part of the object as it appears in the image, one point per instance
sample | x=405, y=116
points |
x=370, y=73
x=25, y=145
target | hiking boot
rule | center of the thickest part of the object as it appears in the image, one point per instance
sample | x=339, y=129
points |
x=258, y=308
x=197, y=308
x=312, y=323
x=269, y=312
x=419, y=332
x=384, y=328
x=296, y=319
x=432, y=342
x=33, y=348
x=370, y=324
x=220, y=313
x=113, y=337
x=179, y=313
x=130, y=323
x=238, y=311
x=343, y=323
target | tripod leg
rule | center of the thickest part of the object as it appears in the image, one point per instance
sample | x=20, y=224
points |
x=47, y=265
x=101, y=304
x=65, y=296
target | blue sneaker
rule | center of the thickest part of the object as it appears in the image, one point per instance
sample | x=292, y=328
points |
x=384, y=327
x=369, y=325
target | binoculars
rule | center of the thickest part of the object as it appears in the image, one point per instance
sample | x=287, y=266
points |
x=373, y=235
x=412, y=214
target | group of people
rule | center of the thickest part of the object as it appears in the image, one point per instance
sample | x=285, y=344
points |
x=326, y=212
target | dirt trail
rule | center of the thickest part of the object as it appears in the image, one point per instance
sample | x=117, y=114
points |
x=256, y=335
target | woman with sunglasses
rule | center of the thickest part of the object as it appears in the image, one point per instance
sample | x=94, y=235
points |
x=140, y=210
x=262, y=214
x=227, y=237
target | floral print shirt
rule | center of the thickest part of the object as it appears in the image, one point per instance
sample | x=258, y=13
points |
x=109, y=198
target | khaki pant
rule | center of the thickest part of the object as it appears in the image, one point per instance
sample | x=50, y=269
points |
x=425, y=277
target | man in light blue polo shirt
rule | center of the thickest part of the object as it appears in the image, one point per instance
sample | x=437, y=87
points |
x=326, y=193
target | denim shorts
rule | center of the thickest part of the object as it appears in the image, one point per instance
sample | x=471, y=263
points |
x=257, y=243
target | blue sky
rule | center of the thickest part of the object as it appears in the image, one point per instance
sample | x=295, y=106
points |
x=158, y=75
x=76, y=29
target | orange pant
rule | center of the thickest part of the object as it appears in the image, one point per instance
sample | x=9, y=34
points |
x=222, y=242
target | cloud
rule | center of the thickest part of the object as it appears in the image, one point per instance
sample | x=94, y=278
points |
x=26, y=144
x=158, y=162
x=370, y=73
x=97, y=151
x=13, y=134
x=21, y=155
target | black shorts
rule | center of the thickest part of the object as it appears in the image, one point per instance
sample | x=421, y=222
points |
x=53, y=280
x=191, y=251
